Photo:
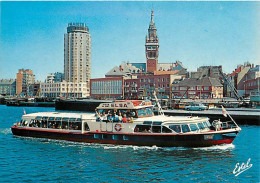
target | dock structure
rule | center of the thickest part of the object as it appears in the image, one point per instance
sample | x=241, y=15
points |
x=240, y=115
x=88, y=105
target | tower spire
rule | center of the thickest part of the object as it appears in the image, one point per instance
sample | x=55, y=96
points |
x=152, y=16
x=152, y=47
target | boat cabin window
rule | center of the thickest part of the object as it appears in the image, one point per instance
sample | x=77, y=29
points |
x=143, y=128
x=44, y=122
x=206, y=124
x=86, y=127
x=65, y=125
x=144, y=112
x=149, y=111
x=185, y=128
x=176, y=128
x=156, y=129
x=152, y=126
x=201, y=126
x=23, y=122
x=141, y=112
x=75, y=125
x=55, y=123
x=166, y=130
x=193, y=127
x=34, y=123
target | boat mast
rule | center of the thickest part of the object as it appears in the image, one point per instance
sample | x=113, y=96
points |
x=160, y=111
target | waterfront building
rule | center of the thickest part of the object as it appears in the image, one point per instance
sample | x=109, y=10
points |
x=171, y=66
x=130, y=70
x=109, y=87
x=207, y=71
x=8, y=87
x=24, y=79
x=77, y=55
x=132, y=89
x=237, y=80
x=152, y=47
x=126, y=69
x=202, y=88
x=54, y=77
x=161, y=83
x=35, y=89
x=64, y=89
x=145, y=85
x=252, y=82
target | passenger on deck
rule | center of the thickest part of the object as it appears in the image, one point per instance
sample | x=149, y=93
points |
x=98, y=117
x=50, y=125
x=120, y=118
x=110, y=118
x=124, y=119
x=104, y=116
x=115, y=117
x=150, y=130
x=131, y=120
x=128, y=120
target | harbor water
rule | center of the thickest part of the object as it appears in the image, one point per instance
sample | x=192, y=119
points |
x=24, y=159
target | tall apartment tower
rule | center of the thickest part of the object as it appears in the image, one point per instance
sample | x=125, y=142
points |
x=24, y=79
x=77, y=54
x=152, y=47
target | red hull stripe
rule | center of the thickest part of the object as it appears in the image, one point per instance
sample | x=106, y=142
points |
x=113, y=133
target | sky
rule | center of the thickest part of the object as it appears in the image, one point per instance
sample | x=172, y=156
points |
x=195, y=33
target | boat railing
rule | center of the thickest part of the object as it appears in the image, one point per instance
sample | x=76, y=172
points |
x=228, y=125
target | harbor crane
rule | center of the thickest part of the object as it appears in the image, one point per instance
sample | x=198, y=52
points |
x=232, y=88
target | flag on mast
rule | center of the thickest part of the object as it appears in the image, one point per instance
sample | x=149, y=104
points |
x=224, y=112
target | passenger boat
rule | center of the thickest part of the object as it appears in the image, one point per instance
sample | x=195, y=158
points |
x=129, y=122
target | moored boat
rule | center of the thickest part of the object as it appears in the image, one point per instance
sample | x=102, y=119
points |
x=127, y=123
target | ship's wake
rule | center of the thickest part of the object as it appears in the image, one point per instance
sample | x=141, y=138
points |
x=217, y=147
x=5, y=131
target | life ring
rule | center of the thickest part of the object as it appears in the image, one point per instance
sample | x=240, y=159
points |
x=118, y=127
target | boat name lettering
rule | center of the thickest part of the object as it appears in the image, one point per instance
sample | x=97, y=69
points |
x=118, y=105
x=208, y=137
x=115, y=105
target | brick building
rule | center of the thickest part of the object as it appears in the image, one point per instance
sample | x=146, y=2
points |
x=24, y=80
x=203, y=88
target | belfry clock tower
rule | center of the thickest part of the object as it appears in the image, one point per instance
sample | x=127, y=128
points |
x=152, y=47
